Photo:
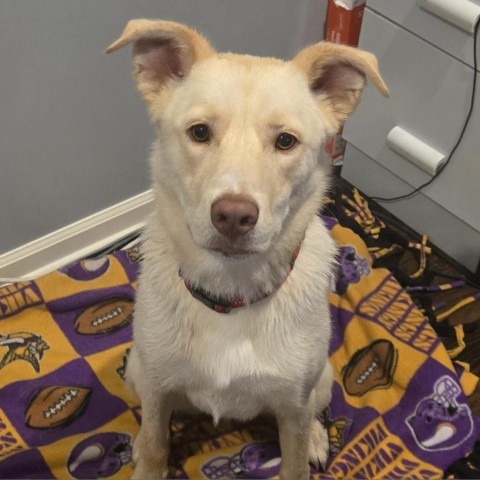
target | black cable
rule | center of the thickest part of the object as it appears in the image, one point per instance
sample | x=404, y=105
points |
x=113, y=247
x=464, y=128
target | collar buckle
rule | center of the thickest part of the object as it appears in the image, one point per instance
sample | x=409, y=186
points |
x=220, y=305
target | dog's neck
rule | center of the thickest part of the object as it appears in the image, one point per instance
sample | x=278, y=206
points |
x=225, y=305
x=248, y=279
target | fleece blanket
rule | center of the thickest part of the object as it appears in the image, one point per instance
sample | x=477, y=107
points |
x=399, y=408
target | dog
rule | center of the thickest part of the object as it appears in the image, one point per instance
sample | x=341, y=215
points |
x=232, y=312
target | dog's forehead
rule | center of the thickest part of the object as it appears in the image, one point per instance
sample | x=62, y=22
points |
x=240, y=80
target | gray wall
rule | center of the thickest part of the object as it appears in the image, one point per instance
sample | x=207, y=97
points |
x=74, y=133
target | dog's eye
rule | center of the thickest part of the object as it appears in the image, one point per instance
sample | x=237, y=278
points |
x=200, y=132
x=285, y=141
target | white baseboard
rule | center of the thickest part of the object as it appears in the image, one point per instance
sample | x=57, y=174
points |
x=77, y=240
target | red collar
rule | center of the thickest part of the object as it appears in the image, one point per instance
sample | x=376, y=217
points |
x=225, y=305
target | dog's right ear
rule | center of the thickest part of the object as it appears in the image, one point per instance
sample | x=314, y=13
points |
x=163, y=52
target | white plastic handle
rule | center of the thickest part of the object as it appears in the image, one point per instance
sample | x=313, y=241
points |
x=415, y=151
x=462, y=13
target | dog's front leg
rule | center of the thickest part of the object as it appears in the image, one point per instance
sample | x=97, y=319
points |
x=294, y=426
x=152, y=446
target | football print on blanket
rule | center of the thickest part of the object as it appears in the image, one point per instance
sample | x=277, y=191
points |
x=370, y=368
x=105, y=317
x=56, y=406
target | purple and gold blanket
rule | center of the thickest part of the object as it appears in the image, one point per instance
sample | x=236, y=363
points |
x=399, y=408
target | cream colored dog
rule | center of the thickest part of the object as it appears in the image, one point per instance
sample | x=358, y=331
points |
x=227, y=319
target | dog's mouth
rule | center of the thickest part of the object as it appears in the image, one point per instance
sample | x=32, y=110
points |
x=232, y=251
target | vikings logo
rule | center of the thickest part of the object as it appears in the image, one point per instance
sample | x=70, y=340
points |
x=352, y=268
x=440, y=422
x=122, y=369
x=23, y=346
x=336, y=432
x=135, y=254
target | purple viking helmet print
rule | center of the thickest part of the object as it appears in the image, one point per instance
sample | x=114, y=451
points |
x=352, y=268
x=257, y=460
x=101, y=455
x=440, y=422
x=88, y=269
x=260, y=460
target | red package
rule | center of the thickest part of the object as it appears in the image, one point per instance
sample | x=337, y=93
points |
x=344, y=21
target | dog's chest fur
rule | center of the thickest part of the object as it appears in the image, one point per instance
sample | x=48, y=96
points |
x=224, y=369
x=236, y=365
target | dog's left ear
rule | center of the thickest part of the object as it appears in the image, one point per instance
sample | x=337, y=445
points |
x=337, y=76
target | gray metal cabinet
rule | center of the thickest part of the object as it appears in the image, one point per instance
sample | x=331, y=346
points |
x=427, y=63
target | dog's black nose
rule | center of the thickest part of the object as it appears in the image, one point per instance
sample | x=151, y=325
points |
x=234, y=215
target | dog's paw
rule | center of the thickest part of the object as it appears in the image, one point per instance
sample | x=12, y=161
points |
x=148, y=465
x=147, y=472
x=319, y=445
x=150, y=468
